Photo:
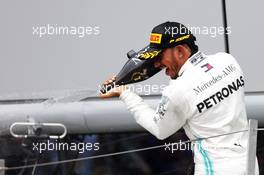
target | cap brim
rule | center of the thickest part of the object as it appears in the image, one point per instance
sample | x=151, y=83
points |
x=148, y=53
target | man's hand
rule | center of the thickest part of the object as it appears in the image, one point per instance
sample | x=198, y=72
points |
x=114, y=92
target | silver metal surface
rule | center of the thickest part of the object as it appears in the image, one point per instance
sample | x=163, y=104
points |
x=252, y=147
x=2, y=164
x=29, y=124
x=95, y=115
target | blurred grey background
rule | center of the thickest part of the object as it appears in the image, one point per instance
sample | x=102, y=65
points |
x=56, y=63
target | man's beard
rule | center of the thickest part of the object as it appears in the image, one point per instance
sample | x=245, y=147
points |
x=174, y=68
x=175, y=77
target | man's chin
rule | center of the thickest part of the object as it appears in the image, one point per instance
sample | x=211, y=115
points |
x=173, y=77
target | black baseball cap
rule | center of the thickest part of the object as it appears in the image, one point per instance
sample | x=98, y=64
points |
x=166, y=35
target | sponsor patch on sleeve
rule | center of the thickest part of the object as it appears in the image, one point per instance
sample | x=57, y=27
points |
x=162, y=107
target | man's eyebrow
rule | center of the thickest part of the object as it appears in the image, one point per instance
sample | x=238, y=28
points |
x=160, y=54
x=158, y=58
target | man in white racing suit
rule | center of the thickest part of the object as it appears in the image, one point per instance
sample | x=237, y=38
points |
x=205, y=97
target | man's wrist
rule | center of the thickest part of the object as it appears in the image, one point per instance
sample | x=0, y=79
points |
x=122, y=89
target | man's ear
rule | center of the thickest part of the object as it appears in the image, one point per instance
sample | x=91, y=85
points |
x=183, y=51
x=179, y=50
x=180, y=54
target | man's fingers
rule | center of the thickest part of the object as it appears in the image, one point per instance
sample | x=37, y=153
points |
x=104, y=95
x=110, y=80
x=115, y=92
x=108, y=94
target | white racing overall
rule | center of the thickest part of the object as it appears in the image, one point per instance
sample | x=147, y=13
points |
x=207, y=99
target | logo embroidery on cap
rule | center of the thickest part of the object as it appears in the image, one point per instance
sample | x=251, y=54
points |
x=155, y=38
x=149, y=55
x=180, y=39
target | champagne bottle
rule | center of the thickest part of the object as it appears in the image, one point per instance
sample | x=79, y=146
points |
x=134, y=70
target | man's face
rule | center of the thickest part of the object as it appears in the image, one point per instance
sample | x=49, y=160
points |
x=169, y=60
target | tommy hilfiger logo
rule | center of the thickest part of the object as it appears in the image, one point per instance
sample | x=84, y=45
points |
x=207, y=66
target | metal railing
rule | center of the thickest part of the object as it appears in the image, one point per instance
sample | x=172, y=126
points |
x=251, y=152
